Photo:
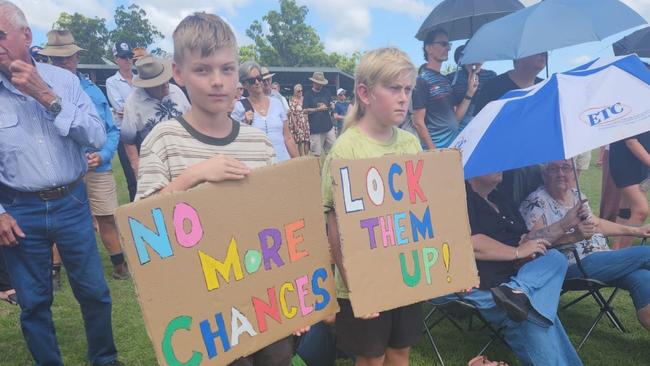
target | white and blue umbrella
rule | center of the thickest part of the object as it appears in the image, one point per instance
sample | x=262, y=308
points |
x=549, y=25
x=572, y=112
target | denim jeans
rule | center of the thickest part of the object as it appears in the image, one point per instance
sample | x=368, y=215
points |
x=67, y=222
x=627, y=268
x=541, y=339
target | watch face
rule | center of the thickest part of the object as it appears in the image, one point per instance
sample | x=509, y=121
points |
x=55, y=107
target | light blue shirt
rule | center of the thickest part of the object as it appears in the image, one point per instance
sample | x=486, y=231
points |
x=272, y=124
x=37, y=150
x=118, y=90
x=104, y=111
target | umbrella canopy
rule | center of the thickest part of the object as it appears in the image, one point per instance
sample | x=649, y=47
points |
x=549, y=25
x=570, y=113
x=461, y=18
x=637, y=42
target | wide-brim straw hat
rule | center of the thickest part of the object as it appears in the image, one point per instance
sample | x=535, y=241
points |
x=152, y=72
x=60, y=43
x=319, y=78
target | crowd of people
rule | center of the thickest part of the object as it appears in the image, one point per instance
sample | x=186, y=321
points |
x=221, y=118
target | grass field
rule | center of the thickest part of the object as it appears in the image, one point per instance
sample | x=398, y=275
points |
x=605, y=347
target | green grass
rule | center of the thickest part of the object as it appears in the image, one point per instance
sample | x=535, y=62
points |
x=605, y=347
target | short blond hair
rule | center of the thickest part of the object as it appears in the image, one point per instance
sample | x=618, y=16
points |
x=380, y=66
x=202, y=32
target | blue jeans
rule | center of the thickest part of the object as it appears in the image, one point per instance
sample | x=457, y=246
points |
x=541, y=339
x=66, y=222
x=317, y=347
x=627, y=268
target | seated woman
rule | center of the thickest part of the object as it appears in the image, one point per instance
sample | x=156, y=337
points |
x=627, y=268
x=523, y=301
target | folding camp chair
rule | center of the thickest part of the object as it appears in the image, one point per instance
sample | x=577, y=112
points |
x=453, y=310
x=592, y=288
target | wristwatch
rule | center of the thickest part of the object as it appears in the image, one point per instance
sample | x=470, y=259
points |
x=55, y=106
x=468, y=97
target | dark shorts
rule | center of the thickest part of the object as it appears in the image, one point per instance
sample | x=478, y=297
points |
x=397, y=328
x=275, y=354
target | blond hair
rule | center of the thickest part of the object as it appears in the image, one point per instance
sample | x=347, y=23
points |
x=380, y=66
x=202, y=32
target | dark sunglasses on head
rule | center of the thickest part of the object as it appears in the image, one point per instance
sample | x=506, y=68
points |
x=443, y=43
x=259, y=79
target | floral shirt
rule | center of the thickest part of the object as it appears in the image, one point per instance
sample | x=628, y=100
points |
x=539, y=205
x=142, y=112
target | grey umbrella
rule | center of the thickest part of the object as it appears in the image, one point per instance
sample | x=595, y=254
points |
x=637, y=42
x=461, y=18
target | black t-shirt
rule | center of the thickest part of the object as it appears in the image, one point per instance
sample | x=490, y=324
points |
x=506, y=226
x=319, y=122
x=494, y=89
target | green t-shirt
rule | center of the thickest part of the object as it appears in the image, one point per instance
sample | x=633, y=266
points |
x=354, y=144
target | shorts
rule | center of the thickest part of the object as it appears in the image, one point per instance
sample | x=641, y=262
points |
x=396, y=328
x=275, y=354
x=583, y=160
x=321, y=143
x=102, y=192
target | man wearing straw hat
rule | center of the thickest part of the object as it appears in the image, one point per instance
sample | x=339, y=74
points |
x=102, y=190
x=154, y=100
x=316, y=104
x=47, y=123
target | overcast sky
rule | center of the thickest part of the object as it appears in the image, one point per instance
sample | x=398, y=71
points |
x=343, y=25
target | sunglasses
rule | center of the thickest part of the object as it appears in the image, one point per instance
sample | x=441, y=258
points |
x=252, y=80
x=444, y=44
x=3, y=35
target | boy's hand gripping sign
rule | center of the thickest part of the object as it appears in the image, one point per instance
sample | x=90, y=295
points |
x=404, y=229
x=226, y=269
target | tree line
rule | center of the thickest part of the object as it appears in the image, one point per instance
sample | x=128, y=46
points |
x=280, y=38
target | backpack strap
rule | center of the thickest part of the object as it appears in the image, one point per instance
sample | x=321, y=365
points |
x=248, y=106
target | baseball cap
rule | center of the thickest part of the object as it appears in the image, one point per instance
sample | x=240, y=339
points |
x=339, y=91
x=122, y=49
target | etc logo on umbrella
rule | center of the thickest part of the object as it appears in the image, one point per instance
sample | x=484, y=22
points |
x=605, y=115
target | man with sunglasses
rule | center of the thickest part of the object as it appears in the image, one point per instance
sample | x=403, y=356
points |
x=118, y=89
x=435, y=119
x=46, y=124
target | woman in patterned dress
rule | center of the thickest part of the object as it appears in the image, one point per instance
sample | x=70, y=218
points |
x=298, y=121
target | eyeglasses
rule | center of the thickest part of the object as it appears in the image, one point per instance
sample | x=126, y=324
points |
x=566, y=169
x=444, y=44
x=252, y=80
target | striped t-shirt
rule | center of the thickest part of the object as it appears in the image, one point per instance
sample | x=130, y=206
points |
x=174, y=145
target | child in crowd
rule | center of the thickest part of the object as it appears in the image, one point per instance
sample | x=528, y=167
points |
x=383, y=83
x=205, y=144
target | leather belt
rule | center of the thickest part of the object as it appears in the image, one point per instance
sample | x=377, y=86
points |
x=48, y=194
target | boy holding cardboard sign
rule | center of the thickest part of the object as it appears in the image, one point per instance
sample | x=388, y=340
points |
x=205, y=144
x=383, y=85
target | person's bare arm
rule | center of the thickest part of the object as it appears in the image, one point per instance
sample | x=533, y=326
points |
x=488, y=249
x=216, y=169
x=421, y=128
x=288, y=141
x=638, y=151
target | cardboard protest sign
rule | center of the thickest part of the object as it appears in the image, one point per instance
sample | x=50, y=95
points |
x=404, y=228
x=226, y=269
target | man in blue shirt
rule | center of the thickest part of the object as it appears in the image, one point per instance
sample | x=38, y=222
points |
x=434, y=117
x=46, y=124
x=102, y=190
x=340, y=109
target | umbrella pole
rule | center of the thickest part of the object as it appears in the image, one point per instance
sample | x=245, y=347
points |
x=575, y=174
